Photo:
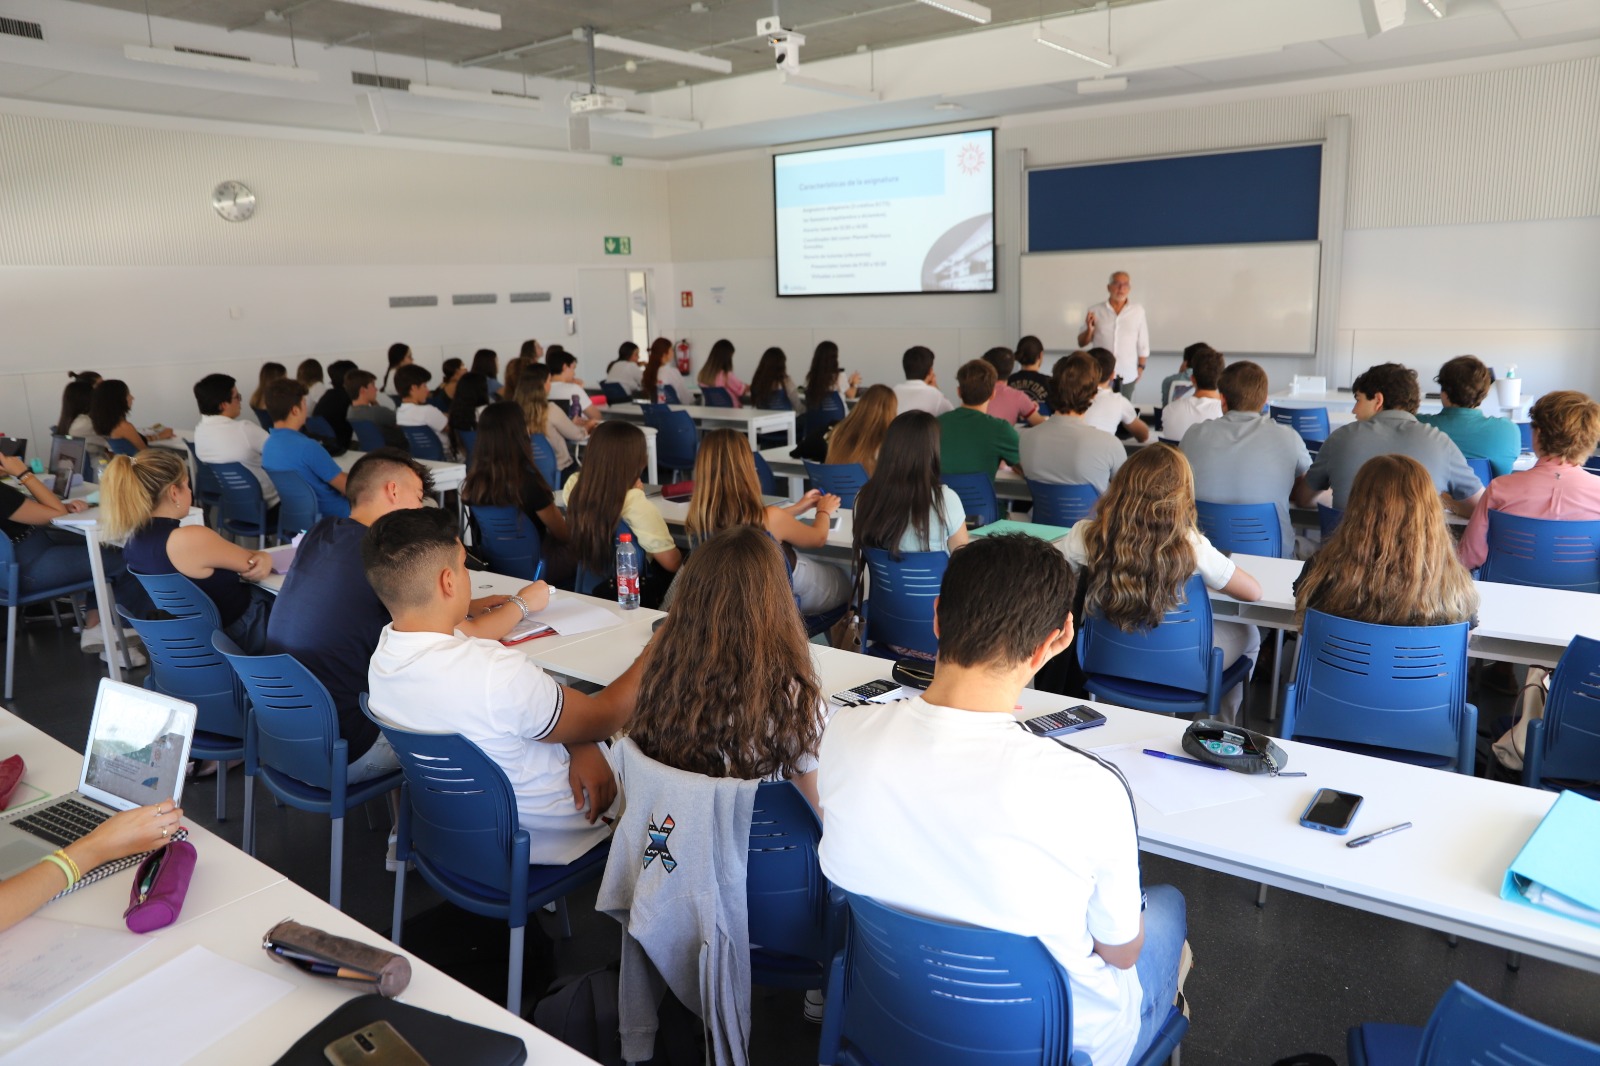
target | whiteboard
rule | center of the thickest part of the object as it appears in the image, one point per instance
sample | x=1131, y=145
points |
x=1242, y=299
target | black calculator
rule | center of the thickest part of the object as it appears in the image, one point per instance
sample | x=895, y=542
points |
x=1070, y=720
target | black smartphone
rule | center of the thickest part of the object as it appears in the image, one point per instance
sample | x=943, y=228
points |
x=1331, y=811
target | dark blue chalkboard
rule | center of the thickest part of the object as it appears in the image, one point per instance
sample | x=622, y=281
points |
x=1229, y=198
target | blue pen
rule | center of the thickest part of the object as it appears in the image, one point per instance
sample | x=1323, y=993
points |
x=1180, y=758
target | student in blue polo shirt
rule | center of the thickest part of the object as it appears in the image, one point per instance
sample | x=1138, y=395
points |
x=289, y=449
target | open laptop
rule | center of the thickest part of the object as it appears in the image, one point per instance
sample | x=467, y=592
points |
x=68, y=456
x=17, y=446
x=138, y=748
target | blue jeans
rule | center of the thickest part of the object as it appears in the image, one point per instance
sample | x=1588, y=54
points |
x=1165, y=927
x=50, y=558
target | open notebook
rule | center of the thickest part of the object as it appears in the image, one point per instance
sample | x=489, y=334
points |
x=566, y=616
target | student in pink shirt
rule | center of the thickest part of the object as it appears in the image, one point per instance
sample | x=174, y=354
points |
x=718, y=371
x=1566, y=427
x=1007, y=404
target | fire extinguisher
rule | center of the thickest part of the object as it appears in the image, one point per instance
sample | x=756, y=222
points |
x=683, y=356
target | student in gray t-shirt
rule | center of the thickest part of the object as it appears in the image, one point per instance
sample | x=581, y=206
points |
x=1244, y=456
x=1064, y=449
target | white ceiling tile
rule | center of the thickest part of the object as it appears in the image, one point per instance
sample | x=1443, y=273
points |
x=1417, y=39
x=1561, y=17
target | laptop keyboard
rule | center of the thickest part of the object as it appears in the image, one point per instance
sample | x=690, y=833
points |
x=65, y=822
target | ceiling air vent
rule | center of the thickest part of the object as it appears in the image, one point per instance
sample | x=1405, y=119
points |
x=20, y=28
x=213, y=55
x=380, y=81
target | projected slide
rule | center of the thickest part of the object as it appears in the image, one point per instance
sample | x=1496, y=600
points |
x=913, y=215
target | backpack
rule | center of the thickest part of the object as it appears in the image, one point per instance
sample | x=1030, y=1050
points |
x=581, y=1012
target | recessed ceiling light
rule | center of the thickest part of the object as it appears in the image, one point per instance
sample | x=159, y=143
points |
x=965, y=8
x=435, y=9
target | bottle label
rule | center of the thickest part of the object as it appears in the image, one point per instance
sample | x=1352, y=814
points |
x=627, y=585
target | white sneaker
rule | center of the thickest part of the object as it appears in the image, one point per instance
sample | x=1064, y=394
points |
x=135, y=653
x=815, y=1002
x=92, y=638
x=390, y=863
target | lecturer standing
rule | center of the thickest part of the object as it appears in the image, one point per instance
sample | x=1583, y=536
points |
x=1118, y=324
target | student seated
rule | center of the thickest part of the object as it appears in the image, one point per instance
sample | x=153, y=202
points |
x=1463, y=383
x=223, y=437
x=427, y=674
x=1182, y=376
x=546, y=418
x=1110, y=408
x=142, y=500
x=1202, y=404
x=972, y=441
x=1386, y=424
x=287, y=448
x=1066, y=450
x=486, y=361
x=1009, y=405
x=399, y=355
x=1031, y=380
x=625, y=369
x=450, y=374
x=109, y=407
x=1142, y=546
x=727, y=493
x=717, y=371
x=661, y=373
x=919, y=818
x=566, y=388
x=824, y=377
x=309, y=374
x=772, y=381
x=74, y=420
x=365, y=406
x=608, y=490
x=415, y=410
x=472, y=396
x=1245, y=456
x=858, y=438
x=503, y=474
x=334, y=407
x=1566, y=428
x=920, y=390
x=270, y=372
x=903, y=507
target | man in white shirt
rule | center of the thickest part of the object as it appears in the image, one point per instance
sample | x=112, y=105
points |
x=223, y=437
x=626, y=371
x=1111, y=408
x=411, y=383
x=1119, y=325
x=1202, y=404
x=918, y=818
x=426, y=675
x=920, y=390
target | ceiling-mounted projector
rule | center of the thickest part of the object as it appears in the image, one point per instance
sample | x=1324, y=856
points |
x=592, y=103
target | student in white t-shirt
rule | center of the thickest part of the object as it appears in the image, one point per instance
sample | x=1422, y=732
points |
x=411, y=383
x=944, y=806
x=1203, y=404
x=427, y=675
x=920, y=390
x=1110, y=408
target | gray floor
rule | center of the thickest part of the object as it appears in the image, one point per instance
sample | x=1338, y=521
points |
x=1267, y=983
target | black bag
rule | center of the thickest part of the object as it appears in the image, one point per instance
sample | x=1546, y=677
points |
x=581, y=1012
x=436, y=1037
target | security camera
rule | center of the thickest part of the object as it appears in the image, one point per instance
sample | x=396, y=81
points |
x=785, y=43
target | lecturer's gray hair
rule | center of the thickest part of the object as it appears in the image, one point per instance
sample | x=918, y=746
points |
x=1119, y=273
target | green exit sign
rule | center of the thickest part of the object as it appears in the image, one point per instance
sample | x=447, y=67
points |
x=619, y=245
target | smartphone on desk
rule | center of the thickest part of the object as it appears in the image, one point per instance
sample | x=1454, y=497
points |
x=1331, y=811
x=377, y=1044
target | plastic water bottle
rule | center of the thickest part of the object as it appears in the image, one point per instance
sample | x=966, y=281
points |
x=627, y=573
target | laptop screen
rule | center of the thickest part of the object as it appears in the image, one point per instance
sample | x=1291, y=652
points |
x=138, y=746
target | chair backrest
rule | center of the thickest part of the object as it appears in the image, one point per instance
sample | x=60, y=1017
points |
x=585, y=579
x=179, y=597
x=1062, y=505
x=1328, y=519
x=1567, y=744
x=291, y=712
x=544, y=458
x=777, y=400
x=615, y=392
x=184, y=665
x=469, y=441
x=206, y=488
x=119, y=446
x=784, y=886
x=1176, y=653
x=677, y=443
x=716, y=396
x=1397, y=687
x=244, y=508
x=317, y=426
x=423, y=442
x=764, y=474
x=900, y=597
x=977, y=495
x=1310, y=422
x=1546, y=552
x=264, y=418
x=297, y=503
x=1469, y=1027
x=668, y=394
x=936, y=994
x=369, y=435
x=1482, y=469
x=1243, y=528
x=510, y=540
x=843, y=480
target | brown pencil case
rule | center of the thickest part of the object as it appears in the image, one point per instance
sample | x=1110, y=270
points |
x=337, y=958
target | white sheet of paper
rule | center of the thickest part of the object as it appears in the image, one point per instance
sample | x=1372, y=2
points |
x=169, y=1015
x=1171, y=787
x=570, y=615
x=43, y=961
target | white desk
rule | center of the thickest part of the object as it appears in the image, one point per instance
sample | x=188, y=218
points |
x=447, y=475
x=752, y=421
x=839, y=545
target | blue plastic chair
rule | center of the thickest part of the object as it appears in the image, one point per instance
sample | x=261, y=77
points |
x=715, y=396
x=615, y=393
x=510, y=540
x=1242, y=528
x=843, y=480
x=791, y=918
x=1468, y=1027
x=1564, y=747
x=764, y=474
x=1544, y=552
x=1062, y=505
x=898, y=610
x=179, y=597
x=544, y=460
x=119, y=446
x=823, y=415
x=668, y=394
x=13, y=598
x=677, y=443
x=1593, y=464
x=293, y=745
x=244, y=508
x=585, y=580
x=369, y=435
x=1483, y=471
x=1179, y=651
x=469, y=442
x=459, y=828
x=1525, y=432
x=423, y=442
x=777, y=400
x=297, y=503
x=1328, y=519
x=207, y=491
x=183, y=665
x=1396, y=692
x=976, y=492
x=317, y=426
x=915, y=990
x=1310, y=422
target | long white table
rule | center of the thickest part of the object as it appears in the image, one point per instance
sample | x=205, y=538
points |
x=447, y=474
x=752, y=421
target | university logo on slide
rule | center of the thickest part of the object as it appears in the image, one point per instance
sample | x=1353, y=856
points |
x=970, y=159
x=658, y=845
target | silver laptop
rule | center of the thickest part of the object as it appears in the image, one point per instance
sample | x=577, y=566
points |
x=138, y=748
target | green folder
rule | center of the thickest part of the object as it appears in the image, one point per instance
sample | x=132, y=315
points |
x=1033, y=529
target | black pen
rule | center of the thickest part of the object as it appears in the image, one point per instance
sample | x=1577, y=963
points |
x=1370, y=837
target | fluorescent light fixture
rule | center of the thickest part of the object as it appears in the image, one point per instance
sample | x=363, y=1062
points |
x=800, y=81
x=1087, y=53
x=640, y=118
x=965, y=8
x=1435, y=7
x=435, y=9
x=471, y=96
x=171, y=57
x=1102, y=85
x=607, y=43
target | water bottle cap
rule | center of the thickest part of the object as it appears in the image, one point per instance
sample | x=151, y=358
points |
x=626, y=538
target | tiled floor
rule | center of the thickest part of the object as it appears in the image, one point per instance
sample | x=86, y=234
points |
x=1267, y=983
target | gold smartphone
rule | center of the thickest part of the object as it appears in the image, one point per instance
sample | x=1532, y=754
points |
x=377, y=1044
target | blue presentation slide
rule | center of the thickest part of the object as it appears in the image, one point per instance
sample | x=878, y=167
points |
x=912, y=215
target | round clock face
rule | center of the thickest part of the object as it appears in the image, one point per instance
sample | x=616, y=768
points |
x=233, y=201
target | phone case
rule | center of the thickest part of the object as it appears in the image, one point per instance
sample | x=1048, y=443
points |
x=365, y=966
x=1335, y=830
x=378, y=1044
x=11, y=771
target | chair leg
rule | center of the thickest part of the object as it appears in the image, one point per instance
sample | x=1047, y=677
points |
x=222, y=790
x=1261, y=895
x=11, y=648
x=249, y=815
x=336, y=864
x=1277, y=672
x=1514, y=961
x=366, y=809
x=564, y=917
x=399, y=905
x=1175, y=1059
x=55, y=612
x=514, y=977
x=1453, y=940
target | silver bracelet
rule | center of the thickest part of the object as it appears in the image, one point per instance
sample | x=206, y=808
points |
x=518, y=600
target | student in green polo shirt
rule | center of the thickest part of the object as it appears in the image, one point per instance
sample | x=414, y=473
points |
x=972, y=440
x=1463, y=383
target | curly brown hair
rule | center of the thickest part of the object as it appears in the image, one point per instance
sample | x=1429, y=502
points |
x=1138, y=543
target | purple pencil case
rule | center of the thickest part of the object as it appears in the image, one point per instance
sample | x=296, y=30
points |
x=159, y=886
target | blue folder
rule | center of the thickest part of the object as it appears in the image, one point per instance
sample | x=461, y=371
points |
x=1561, y=857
